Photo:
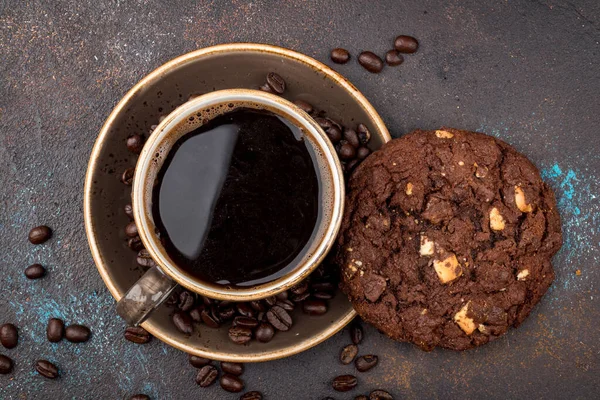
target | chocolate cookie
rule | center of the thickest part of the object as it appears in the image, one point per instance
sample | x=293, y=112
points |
x=447, y=238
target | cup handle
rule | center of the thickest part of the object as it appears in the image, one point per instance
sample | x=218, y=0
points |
x=150, y=291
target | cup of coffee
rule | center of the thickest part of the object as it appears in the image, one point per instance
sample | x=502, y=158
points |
x=237, y=195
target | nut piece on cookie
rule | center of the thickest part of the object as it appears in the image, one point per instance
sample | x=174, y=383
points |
x=481, y=171
x=520, y=201
x=444, y=134
x=497, y=222
x=522, y=275
x=447, y=269
x=409, y=189
x=427, y=246
x=464, y=322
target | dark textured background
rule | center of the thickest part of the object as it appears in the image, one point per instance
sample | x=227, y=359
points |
x=525, y=71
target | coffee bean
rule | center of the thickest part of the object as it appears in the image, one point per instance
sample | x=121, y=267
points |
x=361, y=397
x=356, y=332
x=348, y=354
x=282, y=295
x=262, y=316
x=298, y=298
x=346, y=151
x=240, y=334
x=334, y=134
x=46, y=369
x=186, y=301
x=279, y=318
x=324, y=123
x=393, y=58
x=323, y=286
x=246, y=322
x=207, y=376
x=232, y=368
x=299, y=288
x=77, y=333
x=131, y=229
x=364, y=134
x=55, y=330
x=362, y=152
x=144, y=259
x=287, y=305
x=40, y=234
x=340, y=56
x=314, y=307
x=266, y=88
x=197, y=361
x=209, y=319
x=258, y=305
x=135, y=143
x=35, y=271
x=232, y=383
x=322, y=295
x=226, y=313
x=172, y=300
x=350, y=165
x=245, y=309
x=128, y=210
x=207, y=301
x=6, y=365
x=304, y=106
x=351, y=137
x=127, y=177
x=254, y=395
x=328, y=398
x=265, y=332
x=135, y=243
x=9, y=337
x=370, y=61
x=276, y=82
x=196, y=313
x=137, y=334
x=365, y=363
x=406, y=44
x=183, y=322
x=380, y=395
x=214, y=312
x=270, y=301
x=139, y=397
x=344, y=383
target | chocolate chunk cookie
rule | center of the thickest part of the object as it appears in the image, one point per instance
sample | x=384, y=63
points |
x=447, y=238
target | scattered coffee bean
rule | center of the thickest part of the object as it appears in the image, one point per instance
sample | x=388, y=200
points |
x=380, y=395
x=131, y=229
x=322, y=295
x=40, y=234
x=135, y=243
x=393, y=58
x=77, y=333
x=266, y=88
x=209, y=319
x=340, y=56
x=361, y=397
x=344, y=383
x=232, y=368
x=324, y=123
x=298, y=298
x=348, y=354
x=9, y=337
x=365, y=363
x=207, y=375
x=186, y=300
x=245, y=322
x=240, y=334
x=139, y=397
x=356, y=332
x=197, y=361
x=254, y=395
x=265, y=332
x=35, y=271
x=314, y=307
x=347, y=151
x=406, y=44
x=334, y=134
x=323, y=286
x=226, y=313
x=276, y=82
x=144, y=259
x=282, y=296
x=351, y=137
x=232, y=383
x=279, y=318
x=270, y=301
x=245, y=309
x=55, y=330
x=258, y=305
x=370, y=61
x=304, y=106
x=362, y=152
x=135, y=143
x=350, y=165
x=183, y=322
x=127, y=177
x=6, y=365
x=364, y=135
x=46, y=369
x=128, y=210
x=328, y=398
x=137, y=334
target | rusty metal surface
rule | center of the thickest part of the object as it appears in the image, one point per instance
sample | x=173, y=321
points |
x=524, y=71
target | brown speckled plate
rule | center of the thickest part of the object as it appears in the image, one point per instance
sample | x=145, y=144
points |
x=240, y=65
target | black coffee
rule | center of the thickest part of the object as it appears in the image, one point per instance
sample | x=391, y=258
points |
x=238, y=199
